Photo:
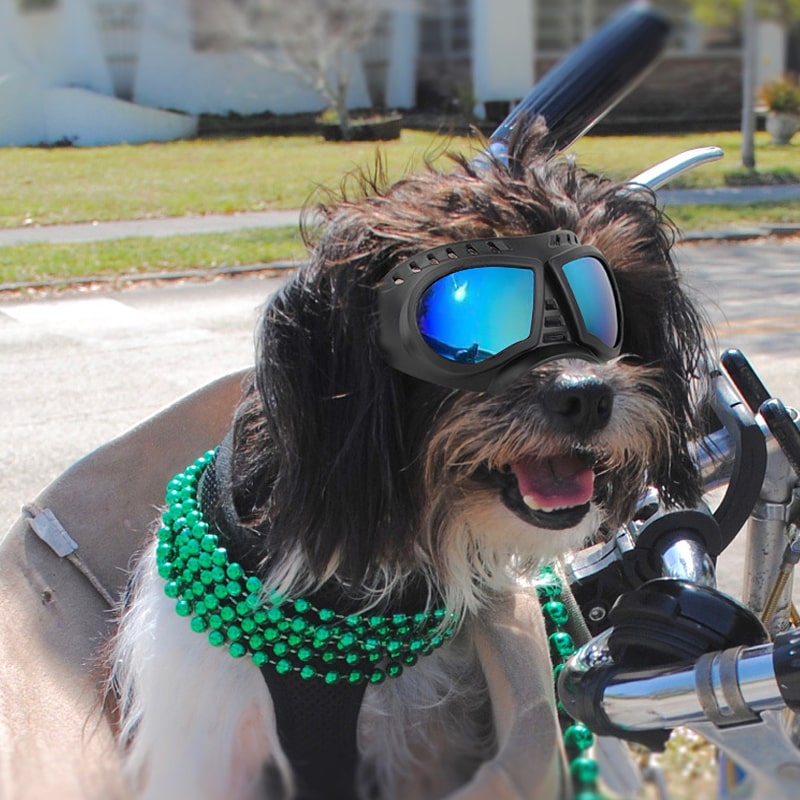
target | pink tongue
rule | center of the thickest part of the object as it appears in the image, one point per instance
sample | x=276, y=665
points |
x=555, y=482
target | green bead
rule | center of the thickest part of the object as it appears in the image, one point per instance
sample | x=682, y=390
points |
x=301, y=605
x=556, y=611
x=237, y=649
x=583, y=770
x=355, y=676
x=256, y=641
x=253, y=601
x=234, y=633
x=234, y=588
x=183, y=608
x=171, y=589
x=326, y=615
x=274, y=614
x=228, y=614
x=220, y=556
x=209, y=542
x=248, y=624
x=331, y=677
x=216, y=638
x=298, y=624
x=235, y=571
x=198, y=624
x=211, y=602
x=305, y=653
x=272, y=634
x=165, y=570
x=346, y=640
x=220, y=591
x=259, y=659
x=193, y=517
x=283, y=666
x=394, y=670
x=562, y=643
x=578, y=737
x=253, y=584
x=307, y=672
x=199, y=530
x=163, y=551
x=352, y=658
x=377, y=676
x=328, y=656
x=280, y=649
x=215, y=621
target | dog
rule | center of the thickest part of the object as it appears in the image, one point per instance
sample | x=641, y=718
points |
x=377, y=472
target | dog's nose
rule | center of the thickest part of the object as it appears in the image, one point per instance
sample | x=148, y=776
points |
x=579, y=404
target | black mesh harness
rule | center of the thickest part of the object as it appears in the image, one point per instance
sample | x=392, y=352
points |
x=316, y=722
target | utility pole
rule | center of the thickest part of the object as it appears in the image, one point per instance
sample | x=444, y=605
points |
x=749, y=58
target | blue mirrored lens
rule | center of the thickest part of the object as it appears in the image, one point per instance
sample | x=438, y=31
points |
x=473, y=314
x=591, y=287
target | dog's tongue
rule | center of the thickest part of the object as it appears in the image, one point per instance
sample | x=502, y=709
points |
x=557, y=482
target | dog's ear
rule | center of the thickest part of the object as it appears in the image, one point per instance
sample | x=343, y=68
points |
x=663, y=328
x=342, y=481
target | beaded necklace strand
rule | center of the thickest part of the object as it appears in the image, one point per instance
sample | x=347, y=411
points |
x=233, y=609
x=578, y=739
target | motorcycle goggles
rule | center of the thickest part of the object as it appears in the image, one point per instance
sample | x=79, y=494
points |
x=477, y=314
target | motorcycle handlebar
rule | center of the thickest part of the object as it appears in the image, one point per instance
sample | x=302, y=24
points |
x=729, y=687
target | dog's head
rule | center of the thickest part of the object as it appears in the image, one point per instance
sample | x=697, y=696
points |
x=356, y=469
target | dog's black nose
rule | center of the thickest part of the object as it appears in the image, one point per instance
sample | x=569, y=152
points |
x=579, y=404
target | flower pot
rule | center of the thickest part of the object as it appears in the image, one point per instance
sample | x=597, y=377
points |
x=781, y=126
x=364, y=130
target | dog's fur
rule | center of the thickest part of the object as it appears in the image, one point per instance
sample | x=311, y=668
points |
x=348, y=472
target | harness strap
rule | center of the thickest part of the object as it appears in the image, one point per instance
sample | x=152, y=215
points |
x=316, y=722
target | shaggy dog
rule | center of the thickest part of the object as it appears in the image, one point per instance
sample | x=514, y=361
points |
x=349, y=491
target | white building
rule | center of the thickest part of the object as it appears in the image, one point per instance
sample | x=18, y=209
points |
x=103, y=71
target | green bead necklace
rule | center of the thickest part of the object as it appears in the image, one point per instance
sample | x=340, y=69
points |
x=578, y=739
x=233, y=610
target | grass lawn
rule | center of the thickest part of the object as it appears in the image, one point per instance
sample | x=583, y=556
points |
x=45, y=186
x=38, y=263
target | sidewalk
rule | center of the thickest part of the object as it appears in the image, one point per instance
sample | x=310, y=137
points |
x=223, y=223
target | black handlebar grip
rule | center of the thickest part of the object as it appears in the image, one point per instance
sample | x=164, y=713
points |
x=582, y=88
x=782, y=427
x=786, y=663
x=744, y=378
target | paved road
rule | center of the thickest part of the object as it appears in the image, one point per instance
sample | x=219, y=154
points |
x=78, y=369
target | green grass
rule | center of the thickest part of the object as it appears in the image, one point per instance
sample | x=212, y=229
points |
x=58, y=185
x=47, y=186
x=623, y=157
x=744, y=215
x=34, y=263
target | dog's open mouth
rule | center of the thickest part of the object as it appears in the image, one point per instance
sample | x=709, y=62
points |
x=553, y=492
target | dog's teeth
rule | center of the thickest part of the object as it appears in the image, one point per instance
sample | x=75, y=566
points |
x=531, y=503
